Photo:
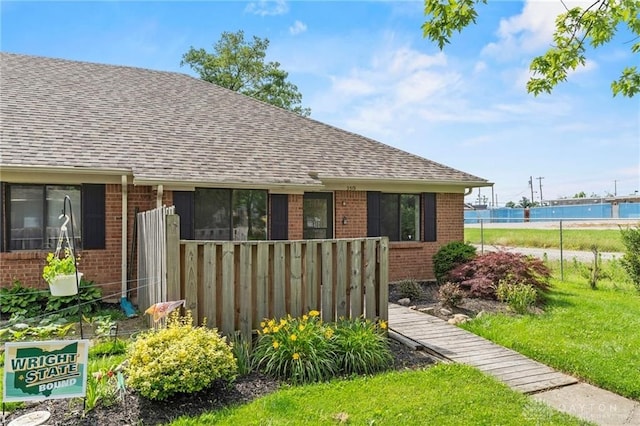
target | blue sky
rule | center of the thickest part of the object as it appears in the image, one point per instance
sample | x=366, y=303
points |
x=364, y=66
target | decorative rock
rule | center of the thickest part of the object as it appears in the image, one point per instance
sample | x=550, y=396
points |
x=458, y=319
x=428, y=310
x=446, y=312
x=404, y=302
x=481, y=314
x=20, y=326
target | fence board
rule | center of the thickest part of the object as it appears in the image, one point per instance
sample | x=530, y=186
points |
x=296, y=279
x=383, y=279
x=312, y=266
x=279, y=280
x=173, y=257
x=327, y=308
x=371, y=305
x=208, y=306
x=342, y=279
x=262, y=283
x=191, y=279
x=355, y=293
x=246, y=306
x=228, y=305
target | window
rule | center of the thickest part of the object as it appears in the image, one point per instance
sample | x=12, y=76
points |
x=317, y=212
x=34, y=212
x=398, y=216
x=223, y=214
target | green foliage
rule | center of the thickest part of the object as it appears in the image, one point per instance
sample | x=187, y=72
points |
x=89, y=294
x=409, y=289
x=594, y=25
x=56, y=265
x=241, y=348
x=631, y=258
x=450, y=294
x=449, y=256
x=519, y=297
x=240, y=66
x=482, y=275
x=21, y=302
x=180, y=358
x=296, y=349
x=305, y=349
x=362, y=346
x=44, y=330
x=108, y=347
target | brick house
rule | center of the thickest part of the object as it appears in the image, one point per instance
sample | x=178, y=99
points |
x=119, y=139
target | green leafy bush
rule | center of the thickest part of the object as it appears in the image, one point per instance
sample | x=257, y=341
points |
x=56, y=265
x=21, y=302
x=296, y=349
x=450, y=294
x=409, y=289
x=519, y=297
x=631, y=258
x=180, y=358
x=481, y=276
x=90, y=296
x=361, y=346
x=449, y=256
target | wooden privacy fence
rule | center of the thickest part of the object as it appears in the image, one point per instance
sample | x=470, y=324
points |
x=235, y=285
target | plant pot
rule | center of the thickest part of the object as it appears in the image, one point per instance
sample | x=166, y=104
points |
x=65, y=285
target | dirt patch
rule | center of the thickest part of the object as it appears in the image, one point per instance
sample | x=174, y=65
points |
x=428, y=302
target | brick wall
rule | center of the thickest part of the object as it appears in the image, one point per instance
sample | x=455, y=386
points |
x=295, y=216
x=100, y=266
x=352, y=206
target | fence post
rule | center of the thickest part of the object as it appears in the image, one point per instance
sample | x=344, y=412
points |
x=481, y=236
x=173, y=256
x=561, y=255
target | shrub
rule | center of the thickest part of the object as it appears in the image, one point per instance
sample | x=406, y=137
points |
x=22, y=302
x=449, y=256
x=90, y=296
x=180, y=358
x=241, y=348
x=450, y=294
x=631, y=258
x=519, y=297
x=361, y=346
x=409, y=289
x=296, y=349
x=482, y=274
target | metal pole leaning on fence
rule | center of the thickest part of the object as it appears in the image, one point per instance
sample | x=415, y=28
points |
x=481, y=236
x=561, y=255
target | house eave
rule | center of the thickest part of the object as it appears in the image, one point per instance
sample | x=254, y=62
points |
x=272, y=187
x=400, y=185
x=61, y=174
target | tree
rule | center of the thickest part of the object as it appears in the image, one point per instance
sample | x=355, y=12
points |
x=240, y=66
x=575, y=29
x=510, y=204
x=580, y=194
x=525, y=202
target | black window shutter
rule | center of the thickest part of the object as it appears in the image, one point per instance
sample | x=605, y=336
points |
x=373, y=214
x=184, y=201
x=93, y=216
x=279, y=217
x=3, y=218
x=430, y=231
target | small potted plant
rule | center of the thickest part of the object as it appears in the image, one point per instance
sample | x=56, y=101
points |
x=60, y=273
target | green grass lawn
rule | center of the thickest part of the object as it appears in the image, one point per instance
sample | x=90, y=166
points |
x=590, y=334
x=572, y=239
x=441, y=395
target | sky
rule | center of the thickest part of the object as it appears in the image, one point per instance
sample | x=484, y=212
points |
x=364, y=66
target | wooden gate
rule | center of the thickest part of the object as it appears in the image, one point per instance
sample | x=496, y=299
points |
x=152, y=260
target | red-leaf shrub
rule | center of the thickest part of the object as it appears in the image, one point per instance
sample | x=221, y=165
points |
x=481, y=275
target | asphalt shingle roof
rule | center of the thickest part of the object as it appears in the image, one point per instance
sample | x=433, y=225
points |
x=171, y=126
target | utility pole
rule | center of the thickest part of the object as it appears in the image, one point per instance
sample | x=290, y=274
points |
x=615, y=188
x=540, y=180
x=531, y=186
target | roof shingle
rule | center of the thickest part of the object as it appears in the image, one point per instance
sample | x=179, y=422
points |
x=166, y=126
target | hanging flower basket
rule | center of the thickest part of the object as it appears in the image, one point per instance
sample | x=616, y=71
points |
x=60, y=273
x=64, y=285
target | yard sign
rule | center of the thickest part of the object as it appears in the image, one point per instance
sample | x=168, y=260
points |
x=50, y=369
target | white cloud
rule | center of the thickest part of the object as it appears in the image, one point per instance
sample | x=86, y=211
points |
x=479, y=67
x=298, y=27
x=530, y=31
x=267, y=7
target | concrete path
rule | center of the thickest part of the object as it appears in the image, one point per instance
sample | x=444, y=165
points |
x=563, y=392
